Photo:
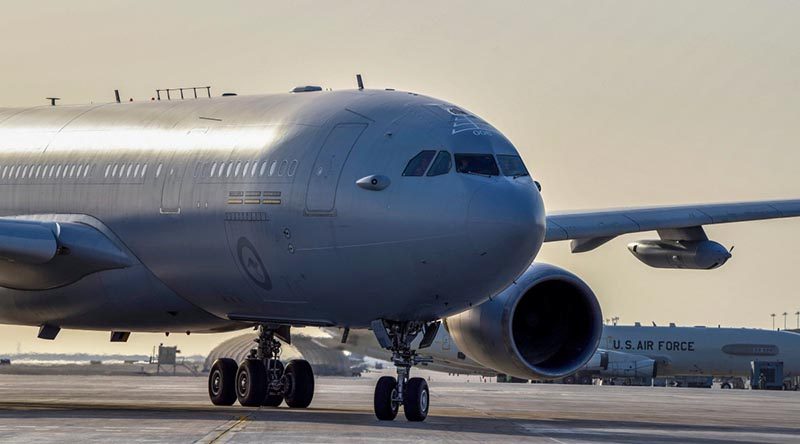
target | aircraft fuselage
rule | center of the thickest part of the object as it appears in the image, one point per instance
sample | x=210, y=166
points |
x=242, y=210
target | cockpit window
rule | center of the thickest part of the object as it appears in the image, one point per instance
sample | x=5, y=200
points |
x=512, y=165
x=419, y=163
x=482, y=164
x=441, y=165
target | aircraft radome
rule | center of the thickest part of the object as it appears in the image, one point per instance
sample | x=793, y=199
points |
x=362, y=208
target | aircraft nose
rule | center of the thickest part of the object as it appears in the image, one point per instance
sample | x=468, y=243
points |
x=506, y=225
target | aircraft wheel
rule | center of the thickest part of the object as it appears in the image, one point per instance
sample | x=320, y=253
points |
x=385, y=392
x=416, y=399
x=300, y=384
x=222, y=382
x=726, y=385
x=251, y=383
x=274, y=370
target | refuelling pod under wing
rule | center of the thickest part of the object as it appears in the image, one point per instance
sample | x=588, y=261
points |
x=612, y=364
x=686, y=254
x=546, y=325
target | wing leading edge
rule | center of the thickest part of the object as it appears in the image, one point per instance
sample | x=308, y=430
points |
x=590, y=229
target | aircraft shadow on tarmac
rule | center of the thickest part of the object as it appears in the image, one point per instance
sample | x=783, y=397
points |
x=559, y=428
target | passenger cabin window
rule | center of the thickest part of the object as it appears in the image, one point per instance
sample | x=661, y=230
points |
x=419, y=163
x=511, y=165
x=481, y=164
x=441, y=165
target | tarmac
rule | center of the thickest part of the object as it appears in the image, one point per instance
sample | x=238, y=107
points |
x=97, y=408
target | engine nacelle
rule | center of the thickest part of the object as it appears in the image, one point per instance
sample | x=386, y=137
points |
x=547, y=324
x=611, y=364
x=695, y=255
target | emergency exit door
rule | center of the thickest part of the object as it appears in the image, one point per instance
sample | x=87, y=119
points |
x=324, y=180
x=171, y=190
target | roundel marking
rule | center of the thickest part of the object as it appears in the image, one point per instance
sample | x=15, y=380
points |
x=252, y=264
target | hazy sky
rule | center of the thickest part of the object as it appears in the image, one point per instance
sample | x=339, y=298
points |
x=611, y=104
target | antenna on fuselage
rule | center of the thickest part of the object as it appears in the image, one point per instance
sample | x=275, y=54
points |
x=360, y=81
x=116, y=95
x=52, y=100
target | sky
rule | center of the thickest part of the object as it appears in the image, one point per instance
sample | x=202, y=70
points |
x=610, y=103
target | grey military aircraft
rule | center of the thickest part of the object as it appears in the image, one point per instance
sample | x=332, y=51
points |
x=361, y=208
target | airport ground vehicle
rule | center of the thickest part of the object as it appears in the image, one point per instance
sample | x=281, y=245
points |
x=362, y=208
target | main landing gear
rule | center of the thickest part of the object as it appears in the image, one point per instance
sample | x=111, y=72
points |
x=412, y=393
x=262, y=379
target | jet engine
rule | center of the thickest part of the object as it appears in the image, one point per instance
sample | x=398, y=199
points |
x=694, y=255
x=545, y=325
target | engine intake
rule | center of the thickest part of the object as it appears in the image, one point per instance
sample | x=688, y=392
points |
x=545, y=325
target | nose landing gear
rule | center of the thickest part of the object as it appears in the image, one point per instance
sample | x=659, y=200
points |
x=261, y=379
x=412, y=393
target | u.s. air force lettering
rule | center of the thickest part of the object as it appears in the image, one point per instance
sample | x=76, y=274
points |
x=618, y=344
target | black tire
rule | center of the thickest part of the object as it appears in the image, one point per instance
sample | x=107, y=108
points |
x=416, y=399
x=726, y=386
x=222, y=382
x=300, y=384
x=274, y=370
x=251, y=383
x=385, y=408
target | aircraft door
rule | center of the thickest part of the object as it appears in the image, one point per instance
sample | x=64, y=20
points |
x=171, y=190
x=324, y=180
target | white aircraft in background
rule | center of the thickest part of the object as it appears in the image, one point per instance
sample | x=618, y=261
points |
x=631, y=352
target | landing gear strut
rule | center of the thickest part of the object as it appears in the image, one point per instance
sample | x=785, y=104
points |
x=262, y=379
x=412, y=393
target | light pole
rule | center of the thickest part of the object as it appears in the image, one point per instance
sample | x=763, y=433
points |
x=784, y=320
x=773, y=320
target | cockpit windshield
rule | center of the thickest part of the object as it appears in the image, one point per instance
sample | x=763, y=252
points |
x=512, y=165
x=419, y=163
x=483, y=164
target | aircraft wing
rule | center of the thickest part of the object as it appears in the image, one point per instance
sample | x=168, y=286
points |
x=590, y=229
x=42, y=252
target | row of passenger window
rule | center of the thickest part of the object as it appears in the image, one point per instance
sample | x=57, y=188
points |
x=139, y=170
x=73, y=171
x=54, y=171
x=120, y=170
x=481, y=164
x=246, y=168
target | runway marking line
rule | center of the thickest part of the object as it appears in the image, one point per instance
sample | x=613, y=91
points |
x=240, y=421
